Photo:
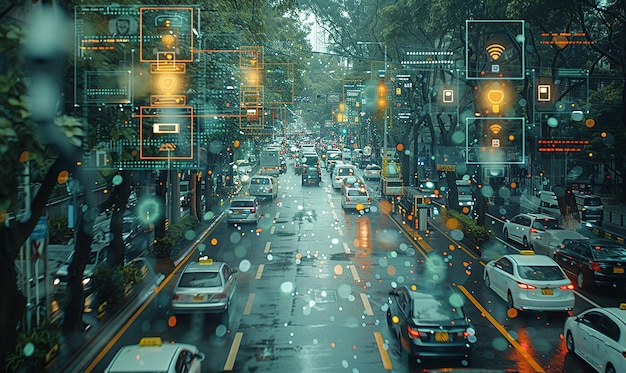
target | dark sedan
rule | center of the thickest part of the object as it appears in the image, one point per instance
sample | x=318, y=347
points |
x=312, y=175
x=593, y=262
x=430, y=323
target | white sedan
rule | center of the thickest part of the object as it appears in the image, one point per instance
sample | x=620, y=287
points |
x=598, y=336
x=152, y=355
x=530, y=282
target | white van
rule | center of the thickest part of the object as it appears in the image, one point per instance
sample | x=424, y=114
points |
x=264, y=186
x=590, y=207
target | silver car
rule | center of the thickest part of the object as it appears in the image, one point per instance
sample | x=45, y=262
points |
x=243, y=210
x=205, y=286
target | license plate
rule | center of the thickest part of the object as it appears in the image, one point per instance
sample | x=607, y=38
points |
x=547, y=291
x=442, y=337
x=198, y=298
x=618, y=270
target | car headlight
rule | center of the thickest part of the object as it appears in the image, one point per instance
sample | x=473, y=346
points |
x=86, y=280
x=56, y=281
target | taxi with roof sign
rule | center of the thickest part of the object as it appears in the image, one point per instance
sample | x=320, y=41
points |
x=205, y=286
x=152, y=355
x=598, y=336
x=527, y=281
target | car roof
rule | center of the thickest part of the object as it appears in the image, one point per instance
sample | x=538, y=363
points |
x=535, y=259
x=538, y=216
x=136, y=358
x=200, y=266
x=243, y=198
x=602, y=242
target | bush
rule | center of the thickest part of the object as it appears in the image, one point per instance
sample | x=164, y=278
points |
x=43, y=339
x=473, y=232
x=163, y=247
x=108, y=284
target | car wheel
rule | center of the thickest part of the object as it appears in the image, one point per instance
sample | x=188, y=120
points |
x=525, y=242
x=506, y=234
x=487, y=281
x=569, y=342
x=610, y=368
x=509, y=300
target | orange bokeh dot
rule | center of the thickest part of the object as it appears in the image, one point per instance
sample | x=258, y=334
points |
x=236, y=143
x=590, y=122
x=511, y=313
x=171, y=321
x=452, y=223
x=400, y=147
x=513, y=185
x=62, y=177
x=338, y=269
x=391, y=270
x=24, y=157
x=332, y=344
x=213, y=241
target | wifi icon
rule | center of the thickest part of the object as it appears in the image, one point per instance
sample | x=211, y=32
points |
x=495, y=50
x=495, y=128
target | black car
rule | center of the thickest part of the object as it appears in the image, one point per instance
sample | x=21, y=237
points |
x=430, y=322
x=312, y=175
x=593, y=262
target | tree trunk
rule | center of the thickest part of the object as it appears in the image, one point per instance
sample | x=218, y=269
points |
x=121, y=193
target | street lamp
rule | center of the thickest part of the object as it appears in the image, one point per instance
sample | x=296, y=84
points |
x=386, y=106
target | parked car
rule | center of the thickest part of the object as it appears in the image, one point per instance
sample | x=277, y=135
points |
x=548, y=199
x=523, y=226
x=243, y=209
x=152, y=355
x=372, y=171
x=264, y=186
x=527, y=281
x=205, y=286
x=598, y=336
x=97, y=257
x=430, y=322
x=312, y=175
x=356, y=198
x=594, y=262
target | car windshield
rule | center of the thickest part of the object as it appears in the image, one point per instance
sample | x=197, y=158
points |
x=357, y=192
x=242, y=204
x=260, y=180
x=609, y=252
x=434, y=310
x=593, y=202
x=546, y=224
x=200, y=280
x=541, y=273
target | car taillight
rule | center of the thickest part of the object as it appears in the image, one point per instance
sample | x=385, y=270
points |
x=219, y=296
x=594, y=266
x=413, y=333
x=175, y=297
x=533, y=230
x=252, y=211
x=347, y=199
x=521, y=285
x=566, y=287
x=368, y=199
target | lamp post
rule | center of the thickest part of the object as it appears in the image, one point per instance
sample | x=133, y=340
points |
x=386, y=106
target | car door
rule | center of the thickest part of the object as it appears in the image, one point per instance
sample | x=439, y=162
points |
x=230, y=280
x=519, y=225
x=398, y=308
x=605, y=344
x=585, y=335
x=502, y=271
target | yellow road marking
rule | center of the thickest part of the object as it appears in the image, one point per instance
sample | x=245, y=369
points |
x=355, y=274
x=384, y=356
x=248, y=308
x=367, y=305
x=346, y=248
x=502, y=331
x=267, y=247
x=259, y=272
x=234, y=349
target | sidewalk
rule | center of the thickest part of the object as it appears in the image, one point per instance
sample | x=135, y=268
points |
x=103, y=323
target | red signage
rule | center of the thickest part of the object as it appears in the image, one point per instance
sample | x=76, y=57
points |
x=561, y=145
